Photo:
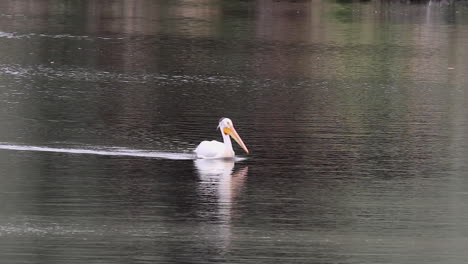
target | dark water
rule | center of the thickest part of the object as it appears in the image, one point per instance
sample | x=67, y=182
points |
x=355, y=114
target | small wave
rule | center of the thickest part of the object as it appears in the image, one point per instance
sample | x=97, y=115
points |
x=10, y=35
x=103, y=151
x=82, y=74
x=42, y=230
x=15, y=35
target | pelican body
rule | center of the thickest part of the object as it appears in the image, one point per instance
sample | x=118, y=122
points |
x=217, y=150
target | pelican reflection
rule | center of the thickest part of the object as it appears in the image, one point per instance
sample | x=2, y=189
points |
x=218, y=176
x=219, y=185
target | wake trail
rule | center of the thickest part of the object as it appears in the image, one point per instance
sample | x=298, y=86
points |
x=102, y=151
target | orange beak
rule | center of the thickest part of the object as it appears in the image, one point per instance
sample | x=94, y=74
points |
x=232, y=132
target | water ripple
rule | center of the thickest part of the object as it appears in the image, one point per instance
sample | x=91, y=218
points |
x=83, y=74
x=105, y=151
x=16, y=35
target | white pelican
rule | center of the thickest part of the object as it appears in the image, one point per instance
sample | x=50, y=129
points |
x=214, y=149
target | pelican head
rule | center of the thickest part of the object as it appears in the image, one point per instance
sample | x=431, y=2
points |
x=227, y=129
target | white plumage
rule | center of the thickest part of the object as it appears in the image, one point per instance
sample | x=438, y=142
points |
x=216, y=150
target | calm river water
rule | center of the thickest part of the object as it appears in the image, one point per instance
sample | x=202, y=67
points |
x=355, y=113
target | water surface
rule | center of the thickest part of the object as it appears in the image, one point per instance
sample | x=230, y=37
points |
x=354, y=113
